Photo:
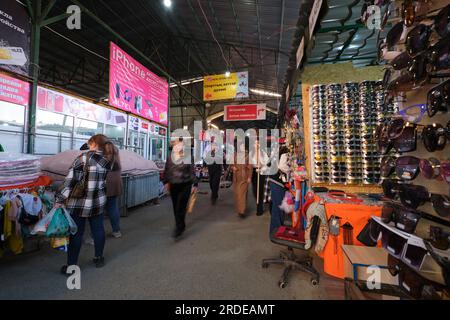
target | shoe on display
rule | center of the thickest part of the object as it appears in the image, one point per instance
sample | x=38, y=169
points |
x=117, y=234
x=99, y=262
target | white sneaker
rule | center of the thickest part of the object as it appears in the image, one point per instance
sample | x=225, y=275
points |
x=89, y=241
x=117, y=234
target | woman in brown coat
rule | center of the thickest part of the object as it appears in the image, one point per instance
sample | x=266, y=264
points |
x=242, y=177
x=113, y=192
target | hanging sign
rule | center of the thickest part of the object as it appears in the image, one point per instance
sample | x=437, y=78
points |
x=300, y=52
x=54, y=101
x=15, y=35
x=245, y=112
x=135, y=89
x=14, y=90
x=221, y=87
x=314, y=15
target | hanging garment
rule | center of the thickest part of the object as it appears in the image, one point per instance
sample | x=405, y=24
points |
x=31, y=203
x=316, y=209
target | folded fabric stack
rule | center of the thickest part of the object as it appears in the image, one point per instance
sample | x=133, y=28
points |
x=18, y=169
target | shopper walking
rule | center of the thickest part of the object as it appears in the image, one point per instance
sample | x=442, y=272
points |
x=242, y=177
x=277, y=190
x=180, y=181
x=95, y=164
x=214, y=170
x=259, y=159
x=114, y=189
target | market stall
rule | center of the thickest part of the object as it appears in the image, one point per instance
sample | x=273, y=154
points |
x=373, y=142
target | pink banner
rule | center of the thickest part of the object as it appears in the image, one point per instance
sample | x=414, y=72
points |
x=135, y=89
x=14, y=90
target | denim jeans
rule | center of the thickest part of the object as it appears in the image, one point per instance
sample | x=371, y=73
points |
x=112, y=208
x=75, y=242
x=276, y=214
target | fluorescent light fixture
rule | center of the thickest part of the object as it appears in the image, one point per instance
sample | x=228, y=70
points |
x=214, y=126
x=167, y=3
x=227, y=74
x=265, y=93
x=185, y=127
x=186, y=82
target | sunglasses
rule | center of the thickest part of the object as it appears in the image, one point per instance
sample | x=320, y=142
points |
x=438, y=99
x=407, y=167
x=432, y=168
x=405, y=219
x=434, y=137
x=439, y=238
x=414, y=113
x=413, y=196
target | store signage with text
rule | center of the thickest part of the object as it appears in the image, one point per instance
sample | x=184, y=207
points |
x=135, y=89
x=245, y=112
x=54, y=101
x=221, y=87
x=14, y=90
x=15, y=35
x=314, y=15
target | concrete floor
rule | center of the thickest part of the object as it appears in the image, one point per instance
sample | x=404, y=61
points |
x=218, y=257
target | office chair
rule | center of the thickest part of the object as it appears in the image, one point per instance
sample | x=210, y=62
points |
x=292, y=239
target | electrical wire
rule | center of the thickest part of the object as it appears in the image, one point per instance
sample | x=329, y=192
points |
x=213, y=35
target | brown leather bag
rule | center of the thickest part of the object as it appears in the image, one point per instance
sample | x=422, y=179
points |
x=79, y=190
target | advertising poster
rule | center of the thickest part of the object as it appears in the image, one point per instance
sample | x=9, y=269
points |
x=135, y=89
x=245, y=112
x=15, y=35
x=221, y=87
x=54, y=101
x=14, y=90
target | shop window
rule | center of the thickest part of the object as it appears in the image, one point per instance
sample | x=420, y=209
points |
x=53, y=132
x=116, y=135
x=12, y=121
x=84, y=129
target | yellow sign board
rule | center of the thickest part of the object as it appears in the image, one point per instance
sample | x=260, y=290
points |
x=221, y=87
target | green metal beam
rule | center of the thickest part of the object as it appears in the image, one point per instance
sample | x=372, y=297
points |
x=342, y=28
x=131, y=46
x=47, y=9
x=58, y=18
x=36, y=41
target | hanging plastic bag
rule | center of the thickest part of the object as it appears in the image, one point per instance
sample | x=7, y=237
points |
x=59, y=226
x=41, y=226
x=72, y=225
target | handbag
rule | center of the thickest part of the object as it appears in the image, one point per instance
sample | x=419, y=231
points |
x=79, y=190
x=25, y=218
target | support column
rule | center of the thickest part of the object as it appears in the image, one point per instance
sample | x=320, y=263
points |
x=36, y=40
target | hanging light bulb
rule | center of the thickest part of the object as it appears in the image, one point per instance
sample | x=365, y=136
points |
x=167, y=3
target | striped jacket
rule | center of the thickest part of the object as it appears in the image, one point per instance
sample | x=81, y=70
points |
x=95, y=199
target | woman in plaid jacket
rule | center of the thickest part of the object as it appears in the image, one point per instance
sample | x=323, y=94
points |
x=91, y=206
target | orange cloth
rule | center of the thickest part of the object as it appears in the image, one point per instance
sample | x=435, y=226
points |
x=42, y=181
x=355, y=214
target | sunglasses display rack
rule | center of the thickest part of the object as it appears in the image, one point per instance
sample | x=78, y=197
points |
x=352, y=131
x=321, y=171
x=344, y=120
x=336, y=133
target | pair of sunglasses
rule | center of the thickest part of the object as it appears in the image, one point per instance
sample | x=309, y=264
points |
x=414, y=196
x=432, y=168
x=396, y=134
x=439, y=238
x=405, y=219
x=438, y=99
x=434, y=137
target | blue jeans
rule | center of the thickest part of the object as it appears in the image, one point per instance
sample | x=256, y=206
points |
x=112, y=208
x=98, y=233
x=277, y=215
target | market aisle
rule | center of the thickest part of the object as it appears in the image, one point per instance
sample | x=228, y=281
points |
x=219, y=257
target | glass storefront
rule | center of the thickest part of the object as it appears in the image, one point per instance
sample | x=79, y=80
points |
x=84, y=129
x=12, y=122
x=157, y=149
x=53, y=132
x=116, y=134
